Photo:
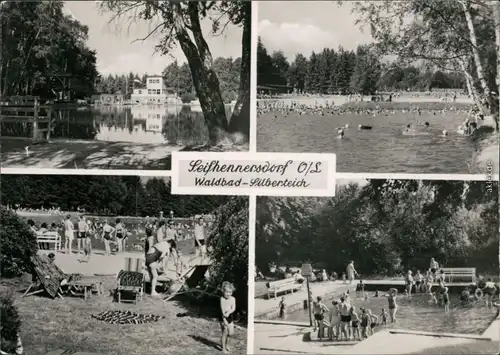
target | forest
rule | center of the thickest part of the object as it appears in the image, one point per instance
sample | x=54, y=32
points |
x=178, y=79
x=341, y=71
x=42, y=47
x=103, y=195
x=386, y=226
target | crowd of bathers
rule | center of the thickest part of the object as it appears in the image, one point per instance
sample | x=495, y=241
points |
x=114, y=232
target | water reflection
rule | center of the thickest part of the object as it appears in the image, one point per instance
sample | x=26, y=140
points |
x=173, y=125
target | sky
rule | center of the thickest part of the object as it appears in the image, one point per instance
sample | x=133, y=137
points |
x=117, y=52
x=305, y=26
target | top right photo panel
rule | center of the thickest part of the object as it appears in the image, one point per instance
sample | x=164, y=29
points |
x=389, y=86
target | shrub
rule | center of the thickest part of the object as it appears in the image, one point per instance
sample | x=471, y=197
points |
x=229, y=242
x=18, y=244
x=10, y=324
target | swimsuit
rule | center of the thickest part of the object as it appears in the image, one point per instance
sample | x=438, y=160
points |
x=82, y=235
x=355, y=323
x=392, y=302
x=153, y=257
x=373, y=325
x=229, y=318
x=107, y=236
x=318, y=317
x=199, y=242
x=345, y=319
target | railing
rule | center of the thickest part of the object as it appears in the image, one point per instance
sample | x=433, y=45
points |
x=22, y=117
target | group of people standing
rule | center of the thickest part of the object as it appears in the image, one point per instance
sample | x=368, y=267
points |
x=345, y=322
x=85, y=229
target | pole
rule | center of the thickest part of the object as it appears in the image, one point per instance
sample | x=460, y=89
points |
x=309, y=302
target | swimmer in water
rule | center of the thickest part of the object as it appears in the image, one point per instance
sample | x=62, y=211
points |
x=340, y=133
x=444, y=133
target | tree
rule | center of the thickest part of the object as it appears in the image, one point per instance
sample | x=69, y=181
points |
x=41, y=48
x=18, y=244
x=387, y=226
x=179, y=23
x=229, y=247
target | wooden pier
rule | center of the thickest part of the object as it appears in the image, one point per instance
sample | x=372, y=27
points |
x=24, y=118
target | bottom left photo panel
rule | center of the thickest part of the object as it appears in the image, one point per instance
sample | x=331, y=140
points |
x=94, y=264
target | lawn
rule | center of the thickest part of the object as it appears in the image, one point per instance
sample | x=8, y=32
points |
x=67, y=324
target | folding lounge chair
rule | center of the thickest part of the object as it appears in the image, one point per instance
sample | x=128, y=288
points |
x=190, y=283
x=131, y=279
x=47, y=277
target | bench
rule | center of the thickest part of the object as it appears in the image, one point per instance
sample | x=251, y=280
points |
x=464, y=272
x=49, y=238
x=285, y=285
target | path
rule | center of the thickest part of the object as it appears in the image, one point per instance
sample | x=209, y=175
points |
x=80, y=154
x=107, y=265
x=286, y=339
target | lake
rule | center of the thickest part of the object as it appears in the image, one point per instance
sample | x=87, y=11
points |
x=150, y=124
x=384, y=149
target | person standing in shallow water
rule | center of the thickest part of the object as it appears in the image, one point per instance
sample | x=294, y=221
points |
x=351, y=272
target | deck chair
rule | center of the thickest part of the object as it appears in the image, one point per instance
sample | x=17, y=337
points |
x=131, y=279
x=191, y=282
x=47, y=277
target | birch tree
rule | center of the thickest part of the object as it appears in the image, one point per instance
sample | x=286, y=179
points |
x=451, y=35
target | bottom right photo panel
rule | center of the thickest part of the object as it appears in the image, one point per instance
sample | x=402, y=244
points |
x=384, y=267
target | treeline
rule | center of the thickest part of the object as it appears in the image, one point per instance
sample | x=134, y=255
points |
x=103, y=195
x=178, y=79
x=387, y=227
x=41, y=49
x=344, y=72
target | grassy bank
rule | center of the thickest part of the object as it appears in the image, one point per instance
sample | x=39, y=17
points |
x=397, y=105
x=485, y=160
x=67, y=324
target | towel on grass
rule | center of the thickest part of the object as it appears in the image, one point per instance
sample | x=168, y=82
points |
x=125, y=317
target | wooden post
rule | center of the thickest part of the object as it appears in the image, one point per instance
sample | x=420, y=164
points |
x=309, y=303
x=36, y=112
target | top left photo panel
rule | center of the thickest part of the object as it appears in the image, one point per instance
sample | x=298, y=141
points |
x=122, y=84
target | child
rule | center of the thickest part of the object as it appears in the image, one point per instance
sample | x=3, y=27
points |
x=282, y=308
x=355, y=324
x=360, y=288
x=335, y=321
x=373, y=321
x=383, y=317
x=409, y=283
x=365, y=323
x=489, y=291
x=344, y=278
x=432, y=298
x=227, y=307
x=446, y=300
x=418, y=282
x=319, y=310
x=87, y=249
x=393, y=307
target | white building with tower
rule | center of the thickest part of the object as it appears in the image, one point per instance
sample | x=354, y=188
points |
x=156, y=92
